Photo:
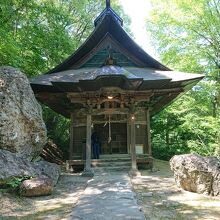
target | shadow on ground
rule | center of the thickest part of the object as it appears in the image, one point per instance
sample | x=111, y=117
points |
x=56, y=206
x=156, y=192
x=159, y=197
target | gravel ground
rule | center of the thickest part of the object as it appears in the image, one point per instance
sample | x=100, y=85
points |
x=55, y=207
x=160, y=198
x=156, y=192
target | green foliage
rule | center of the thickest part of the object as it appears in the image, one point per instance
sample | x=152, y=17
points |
x=35, y=36
x=15, y=182
x=57, y=129
x=186, y=126
x=186, y=35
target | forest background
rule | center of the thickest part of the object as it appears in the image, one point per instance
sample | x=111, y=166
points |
x=35, y=36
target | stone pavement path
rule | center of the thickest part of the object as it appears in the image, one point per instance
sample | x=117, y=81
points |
x=108, y=196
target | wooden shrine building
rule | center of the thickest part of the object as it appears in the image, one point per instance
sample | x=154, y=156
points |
x=111, y=86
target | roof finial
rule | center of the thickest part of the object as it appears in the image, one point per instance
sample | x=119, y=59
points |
x=108, y=5
x=108, y=12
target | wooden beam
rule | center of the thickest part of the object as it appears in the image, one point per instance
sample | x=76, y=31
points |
x=115, y=90
x=110, y=111
x=112, y=121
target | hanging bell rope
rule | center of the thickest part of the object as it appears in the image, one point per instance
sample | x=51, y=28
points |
x=109, y=128
x=105, y=124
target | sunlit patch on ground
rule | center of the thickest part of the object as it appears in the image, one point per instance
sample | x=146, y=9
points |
x=156, y=192
x=160, y=198
x=56, y=206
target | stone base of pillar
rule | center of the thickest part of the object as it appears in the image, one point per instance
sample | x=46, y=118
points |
x=69, y=168
x=134, y=172
x=88, y=173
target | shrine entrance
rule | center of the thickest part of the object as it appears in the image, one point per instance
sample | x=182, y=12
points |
x=113, y=137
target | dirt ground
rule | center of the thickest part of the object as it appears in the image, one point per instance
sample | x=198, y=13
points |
x=160, y=198
x=54, y=207
x=156, y=192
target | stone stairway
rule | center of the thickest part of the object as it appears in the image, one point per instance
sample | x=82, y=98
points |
x=111, y=163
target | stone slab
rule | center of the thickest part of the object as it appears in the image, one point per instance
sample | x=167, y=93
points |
x=108, y=196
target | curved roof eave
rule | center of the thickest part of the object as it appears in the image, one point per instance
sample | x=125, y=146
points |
x=109, y=25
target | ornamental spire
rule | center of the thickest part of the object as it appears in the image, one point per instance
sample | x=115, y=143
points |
x=108, y=4
x=108, y=11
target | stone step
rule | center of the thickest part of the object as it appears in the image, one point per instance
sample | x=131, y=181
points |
x=106, y=156
x=111, y=163
x=112, y=169
x=111, y=160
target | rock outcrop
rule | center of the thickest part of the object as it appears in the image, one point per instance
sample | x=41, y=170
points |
x=22, y=129
x=23, y=136
x=48, y=169
x=13, y=166
x=40, y=186
x=195, y=173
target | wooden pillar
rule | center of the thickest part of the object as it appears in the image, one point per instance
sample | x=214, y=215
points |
x=71, y=137
x=87, y=167
x=149, y=150
x=128, y=137
x=134, y=171
x=133, y=150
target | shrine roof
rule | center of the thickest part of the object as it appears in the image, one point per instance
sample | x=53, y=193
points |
x=84, y=78
x=109, y=50
x=108, y=35
x=110, y=58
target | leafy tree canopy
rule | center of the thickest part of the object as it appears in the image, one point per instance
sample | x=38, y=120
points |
x=35, y=35
x=186, y=35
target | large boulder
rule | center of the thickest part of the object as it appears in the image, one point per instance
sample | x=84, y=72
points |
x=22, y=129
x=51, y=170
x=195, y=173
x=13, y=167
x=40, y=186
